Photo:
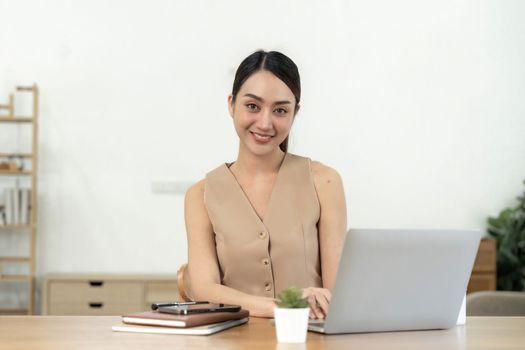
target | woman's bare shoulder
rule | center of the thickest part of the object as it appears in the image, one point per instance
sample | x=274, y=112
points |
x=196, y=191
x=324, y=174
x=195, y=212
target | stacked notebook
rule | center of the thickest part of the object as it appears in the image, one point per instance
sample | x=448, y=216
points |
x=194, y=324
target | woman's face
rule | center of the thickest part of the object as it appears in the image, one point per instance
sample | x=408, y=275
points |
x=263, y=112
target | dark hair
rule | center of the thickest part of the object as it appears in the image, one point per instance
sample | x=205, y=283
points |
x=279, y=65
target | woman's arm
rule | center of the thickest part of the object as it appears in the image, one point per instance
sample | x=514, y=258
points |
x=202, y=260
x=332, y=221
x=332, y=229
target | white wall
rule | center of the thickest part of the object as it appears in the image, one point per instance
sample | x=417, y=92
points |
x=419, y=105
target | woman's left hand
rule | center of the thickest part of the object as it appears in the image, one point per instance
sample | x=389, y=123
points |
x=319, y=299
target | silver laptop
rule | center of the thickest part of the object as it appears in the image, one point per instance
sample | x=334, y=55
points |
x=396, y=280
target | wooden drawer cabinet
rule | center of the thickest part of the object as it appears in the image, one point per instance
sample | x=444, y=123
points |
x=484, y=271
x=103, y=291
x=69, y=294
x=94, y=309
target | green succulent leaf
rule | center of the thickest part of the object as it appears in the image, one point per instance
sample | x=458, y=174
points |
x=291, y=298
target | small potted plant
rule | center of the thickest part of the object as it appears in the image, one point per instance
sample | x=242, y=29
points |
x=291, y=316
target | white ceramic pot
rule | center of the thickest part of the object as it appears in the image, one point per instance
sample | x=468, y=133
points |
x=291, y=325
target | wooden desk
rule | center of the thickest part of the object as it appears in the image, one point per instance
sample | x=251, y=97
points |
x=94, y=332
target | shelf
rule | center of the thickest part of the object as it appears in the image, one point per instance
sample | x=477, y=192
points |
x=15, y=166
x=15, y=173
x=16, y=155
x=5, y=119
x=26, y=88
x=13, y=312
x=15, y=277
x=14, y=259
x=15, y=227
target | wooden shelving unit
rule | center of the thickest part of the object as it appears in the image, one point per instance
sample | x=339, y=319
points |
x=15, y=278
x=16, y=173
x=31, y=227
x=13, y=227
x=16, y=119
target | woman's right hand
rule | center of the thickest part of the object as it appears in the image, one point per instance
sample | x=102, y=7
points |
x=318, y=299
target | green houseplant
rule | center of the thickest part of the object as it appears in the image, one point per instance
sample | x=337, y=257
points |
x=509, y=230
x=291, y=316
x=291, y=298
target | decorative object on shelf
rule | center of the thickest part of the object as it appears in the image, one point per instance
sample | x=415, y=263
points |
x=16, y=162
x=2, y=215
x=8, y=166
x=291, y=316
x=509, y=230
x=9, y=107
x=19, y=203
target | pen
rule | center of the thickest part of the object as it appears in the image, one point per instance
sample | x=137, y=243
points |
x=155, y=306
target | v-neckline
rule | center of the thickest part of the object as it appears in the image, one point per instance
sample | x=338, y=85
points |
x=262, y=220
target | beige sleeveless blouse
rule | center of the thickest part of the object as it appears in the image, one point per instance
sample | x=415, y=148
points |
x=262, y=257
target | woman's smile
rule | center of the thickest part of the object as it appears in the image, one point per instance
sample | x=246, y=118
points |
x=261, y=138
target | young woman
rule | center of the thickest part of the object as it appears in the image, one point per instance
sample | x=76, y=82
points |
x=271, y=219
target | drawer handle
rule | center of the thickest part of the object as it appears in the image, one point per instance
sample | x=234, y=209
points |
x=96, y=305
x=96, y=283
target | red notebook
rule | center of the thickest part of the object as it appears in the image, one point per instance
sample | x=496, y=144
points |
x=154, y=318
